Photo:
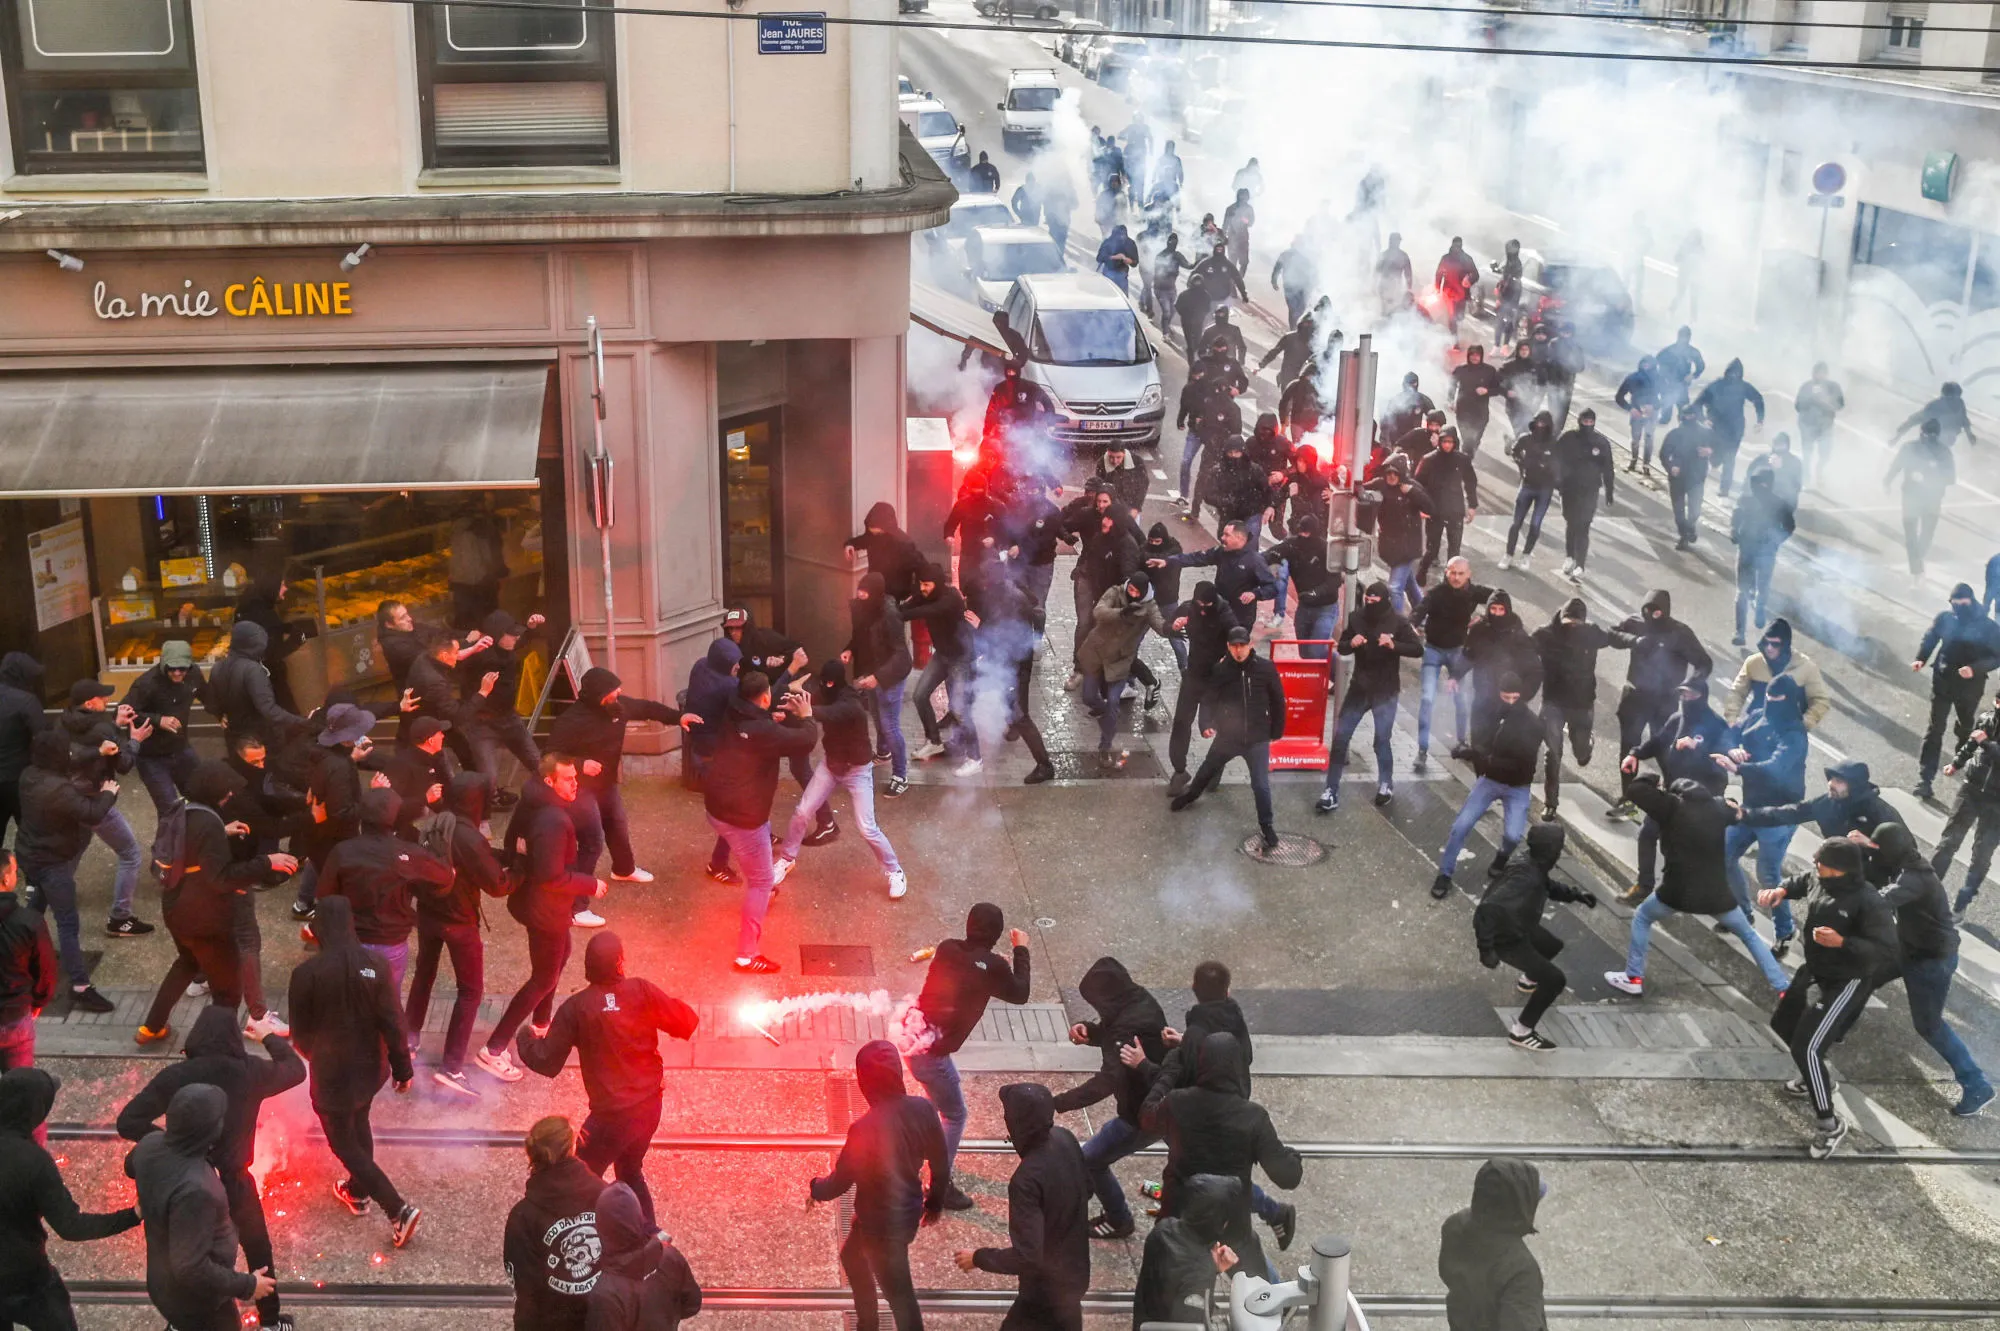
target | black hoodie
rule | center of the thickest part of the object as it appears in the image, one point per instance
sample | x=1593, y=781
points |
x=27, y=961
x=1961, y=638
x=890, y=551
x=1569, y=645
x=345, y=1015
x=154, y=695
x=475, y=869
x=1125, y=1012
x=56, y=817
x=1492, y=1282
x=1512, y=908
x=1161, y=545
x=1176, y=1272
x=1665, y=651
x=943, y=614
x=965, y=975
x=541, y=848
x=1048, y=1226
x=191, y=1273
x=878, y=647
x=1507, y=744
x=1924, y=930
x=239, y=692
x=886, y=1150
x=382, y=874
x=22, y=715
x=642, y=1284
x=32, y=1192
x=1498, y=644
x=1870, y=948
x=1209, y=619
x=742, y=777
x=1862, y=809
x=216, y=1057
x=1378, y=673
x=1445, y=614
x=1693, y=822
x=613, y=1025
x=595, y=730
x=1305, y=550
x=552, y=1247
x=1213, y=1127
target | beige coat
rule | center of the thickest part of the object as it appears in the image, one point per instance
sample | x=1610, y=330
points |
x=1757, y=670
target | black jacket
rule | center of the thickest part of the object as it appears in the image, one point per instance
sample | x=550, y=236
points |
x=1870, y=949
x=1176, y=1272
x=88, y=732
x=878, y=646
x=842, y=716
x=346, y=1016
x=239, y=692
x=216, y=1057
x=1397, y=512
x=1160, y=544
x=552, y=1247
x=1048, y=1227
x=1317, y=581
x=1213, y=1127
x=381, y=875
x=1924, y=931
x=1693, y=719
x=1236, y=572
x=1534, y=452
x=1244, y=704
x=1978, y=760
x=1378, y=674
x=965, y=975
x=943, y=613
x=191, y=1274
x=476, y=870
x=643, y=1284
x=32, y=1192
x=886, y=1150
x=890, y=551
x=1449, y=478
x=56, y=816
x=27, y=961
x=1127, y=483
x=154, y=696
x=1569, y=648
x=1682, y=449
x=1511, y=910
x=1467, y=402
x=1209, y=619
x=1499, y=644
x=541, y=851
x=22, y=715
x=1126, y=1011
x=1665, y=652
x=614, y=1026
x=1692, y=825
x=742, y=778
x=203, y=903
x=592, y=730
x=1956, y=640
x=1445, y=614
x=1492, y=1282
x=1506, y=748
x=1862, y=809
x=1585, y=460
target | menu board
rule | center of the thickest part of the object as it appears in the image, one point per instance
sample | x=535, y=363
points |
x=61, y=573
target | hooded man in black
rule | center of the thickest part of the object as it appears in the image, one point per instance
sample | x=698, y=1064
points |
x=57, y=818
x=878, y=660
x=1961, y=647
x=452, y=920
x=1047, y=1229
x=1852, y=803
x=643, y=1282
x=1504, y=747
x=216, y=1057
x=1206, y=620
x=1569, y=645
x=1685, y=748
x=1585, y=460
x=27, y=970
x=552, y=1247
x=1379, y=640
x=1978, y=809
x=1928, y=473
x=1492, y=1282
x=1721, y=404
x=1685, y=455
x=1851, y=945
x=1126, y=1013
x=1927, y=954
x=737, y=795
x=614, y=1025
x=1245, y=715
x=1449, y=478
x=240, y=694
x=1213, y=1127
x=32, y=1194
x=1304, y=556
x=1507, y=925
x=883, y=1160
x=1185, y=1252
x=889, y=549
x=21, y=718
x=940, y=608
x=1397, y=506
x=1665, y=653
x=593, y=732
x=349, y=1025
x=1497, y=644
x=964, y=976
x=191, y=1276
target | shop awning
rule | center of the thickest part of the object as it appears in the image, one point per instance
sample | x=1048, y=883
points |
x=954, y=317
x=244, y=431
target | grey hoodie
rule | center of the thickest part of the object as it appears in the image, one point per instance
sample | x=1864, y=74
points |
x=1492, y=1282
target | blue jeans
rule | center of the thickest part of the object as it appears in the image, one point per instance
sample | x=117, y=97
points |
x=1771, y=843
x=938, y=1075
x=889, y=726
x=1190, y=450
x=752, y=848
x=116, y=833
x=1402, y=579
x=164, y=776
x=1927, y=983
x=1102, y=696
x=1652, y=910
x=1528, y=501
x=55, y=887
x=396, y=956
x=1343, y=733
x=1437, y=660
x=1485, y=793
x=1111, y=1143
x=1283, y=574
x=1317, y=621
x=1753, y=584
x=859, y=782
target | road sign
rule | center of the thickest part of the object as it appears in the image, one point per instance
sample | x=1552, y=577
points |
x=791, y=34
x=1829, y=178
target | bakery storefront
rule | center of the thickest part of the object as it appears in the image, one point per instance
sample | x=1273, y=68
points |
x=184, y=434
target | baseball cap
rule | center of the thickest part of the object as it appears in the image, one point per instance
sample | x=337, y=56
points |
x=1238, y=635
x=502, y=624
x=346, y=724
x=85, y=689
x=736, y=619
x=176, y=655
x=427, y=728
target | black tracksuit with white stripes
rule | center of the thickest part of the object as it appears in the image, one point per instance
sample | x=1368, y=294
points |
x=1830, y=990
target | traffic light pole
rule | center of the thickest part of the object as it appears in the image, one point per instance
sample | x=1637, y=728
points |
x=1353, y=417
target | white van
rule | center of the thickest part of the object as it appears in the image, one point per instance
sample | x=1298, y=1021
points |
x=1028, y=113
x=1087, y=350
x=938, y=130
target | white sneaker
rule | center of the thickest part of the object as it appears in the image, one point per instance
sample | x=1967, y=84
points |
x=1074, y=682
x=587, y=919
x=899, y=885
x=500, y=1065
x=781, y=869
x=268, y=1024
x=1524, y=563
x=199, y=989
x=970, y=767
x=1624, y=983
x=1506, y=562
x=927, y=750
x=1569, y=567
x=637, y=875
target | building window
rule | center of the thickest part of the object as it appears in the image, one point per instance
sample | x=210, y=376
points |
x=105, y=86
x=517, y=87
x=1906, y=31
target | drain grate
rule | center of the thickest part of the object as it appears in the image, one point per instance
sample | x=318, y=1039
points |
x=1294, y=851
x=836, y=959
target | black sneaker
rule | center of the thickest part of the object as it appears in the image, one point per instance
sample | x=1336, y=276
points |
x=405, y=1224
x=1328, y=801
x=1178, y=783
x=1286, y=1226
x=1922, y=790
x=341, y=1194
x=1181, y=802
x=1383, y=794
x=1828, y=1138
x=1441, y=887
x=1782, y=947
x=1533, y=1041
x=505, y=799
x=1423, y=762
x=725, y=875
x=956, y=1200
x=1152, y=696
x=126, y=927
x=1043, y=772
x=896, y=787
x=819, y=836
x=1270, y=840
x=87, y=999
x=301, y=911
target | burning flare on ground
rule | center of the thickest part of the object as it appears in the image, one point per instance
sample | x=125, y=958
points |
x=908, y=1029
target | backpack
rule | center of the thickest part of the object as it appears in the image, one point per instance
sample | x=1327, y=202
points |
x=434, y=833
x=170, y=846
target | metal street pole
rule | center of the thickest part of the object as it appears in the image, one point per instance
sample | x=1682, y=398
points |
x=601, y=507
x=1353, y=415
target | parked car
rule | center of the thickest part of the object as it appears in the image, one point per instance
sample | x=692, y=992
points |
x=1046, y=10
x=946, y=243
x=912, y=6
x=1028, y=111
x=1087, y=350
x=1214, y=116
x=1075, y=36
x=1113, y=60
x=997, y=256
x=938, y=130
x=1590, y=297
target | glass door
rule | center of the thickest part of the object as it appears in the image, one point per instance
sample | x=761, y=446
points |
x=752, y=512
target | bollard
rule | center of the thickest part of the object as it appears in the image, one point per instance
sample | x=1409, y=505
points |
x=1332, y=1256
x=1321, y=1289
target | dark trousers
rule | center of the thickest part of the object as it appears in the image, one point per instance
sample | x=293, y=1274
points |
x=1530, y=506
x=1579, y=511
x=252, y=1233
x=10, y=812
x=1578, y=721
x=1725, y=459
x=1352, y=709
x=1948, y=695
x=1445, y=532
x=215, y=958
x=489, y=735
x=1639, y=715
x=1812, y=1030
x=1920, y=524
x=164, y=776
x=1018, y=717
x=880, y=1260
x=1472, y=430
x=1256, y=757
x=1687, y=507
x=1980, y=815
x=1036, y=1312
x=1187, y=704
x=353, y=1143
x=1754, y=567
x=42, y=1306
x=602, y=822
x=468, y=967
x=617, y=1140
x=548, y=952
x=952, y=674
x=1535, y=958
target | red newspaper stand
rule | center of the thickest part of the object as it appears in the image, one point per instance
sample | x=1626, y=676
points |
x=1303, y=747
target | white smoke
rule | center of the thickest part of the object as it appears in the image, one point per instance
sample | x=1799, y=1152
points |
x=907, y=1027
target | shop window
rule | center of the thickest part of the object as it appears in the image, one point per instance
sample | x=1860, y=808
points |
x=751, y=515
x=517, y=87
x=1932, y=257
x=104, y=86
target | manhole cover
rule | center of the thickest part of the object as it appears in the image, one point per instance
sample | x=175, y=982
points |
x=1044, y=922
x=1293, y=852
x=836, y=959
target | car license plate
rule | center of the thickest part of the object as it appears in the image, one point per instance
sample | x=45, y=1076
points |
x=1101, y=425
